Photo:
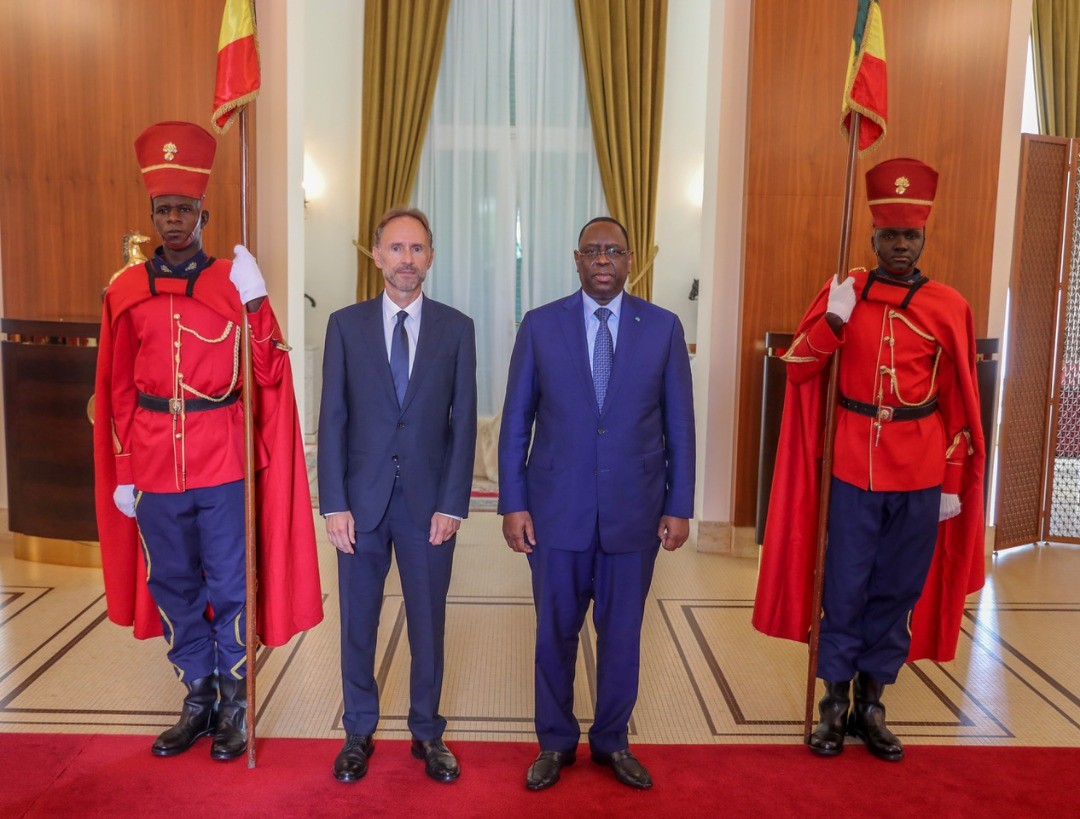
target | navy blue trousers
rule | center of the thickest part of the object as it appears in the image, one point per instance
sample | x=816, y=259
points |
x=425, y=579
x=563, y=583
x=879, y=552
x=193, y=542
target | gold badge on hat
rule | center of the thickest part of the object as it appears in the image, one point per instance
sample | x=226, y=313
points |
x=902, y=184
x=169, y=149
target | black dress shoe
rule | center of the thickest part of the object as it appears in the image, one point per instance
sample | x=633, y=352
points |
x=828, y=737
x=544, y=772
x=352, y=760
x=439, y=763
x=197, y=718
x=627, y=769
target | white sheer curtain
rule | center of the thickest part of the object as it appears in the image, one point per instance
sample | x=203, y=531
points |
x=478, y=170
x=559, y=187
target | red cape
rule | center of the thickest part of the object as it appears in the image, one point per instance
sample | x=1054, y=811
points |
x=289, y=593
x=786, y=577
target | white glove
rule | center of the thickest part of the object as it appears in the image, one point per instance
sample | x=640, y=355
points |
x=245, y=275
x=950, y=506
x=842, y=298
x=124, y=498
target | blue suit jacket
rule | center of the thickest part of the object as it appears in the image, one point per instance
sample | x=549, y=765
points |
x=623, y=468
x=364, y=436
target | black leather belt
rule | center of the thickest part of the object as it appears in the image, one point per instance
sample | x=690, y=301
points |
x=174, y=405
x=885, y=413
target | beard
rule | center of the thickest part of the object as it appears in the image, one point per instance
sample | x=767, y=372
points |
x=399, y=277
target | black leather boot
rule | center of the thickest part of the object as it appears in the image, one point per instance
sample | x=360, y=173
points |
x=867, y=720
x=230, y=738
x=197, y=718
x=828, y=738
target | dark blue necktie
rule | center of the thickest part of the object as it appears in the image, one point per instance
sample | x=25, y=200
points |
x=399, y=357
x=603, y=356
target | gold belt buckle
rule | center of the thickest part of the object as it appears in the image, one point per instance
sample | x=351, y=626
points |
x=884, y=414
x=176, y=405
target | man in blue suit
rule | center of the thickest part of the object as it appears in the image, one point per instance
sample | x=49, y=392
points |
x=600, y=383
x=397, y=437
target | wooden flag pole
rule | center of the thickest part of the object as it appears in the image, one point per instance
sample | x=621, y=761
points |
x=250, y=562
x=830, y=434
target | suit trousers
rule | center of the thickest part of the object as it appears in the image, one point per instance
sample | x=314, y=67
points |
x=879, y=552
x=425, y=579
x=563, y=584
x=194, y=550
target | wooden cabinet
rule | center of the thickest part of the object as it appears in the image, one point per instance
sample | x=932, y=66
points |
x=48, y=371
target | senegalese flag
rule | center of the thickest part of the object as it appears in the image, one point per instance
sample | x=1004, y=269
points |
x=238, y=78
x=865, y=90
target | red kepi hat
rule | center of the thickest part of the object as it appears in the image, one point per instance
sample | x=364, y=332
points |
x=901, y=192
x=175, y=158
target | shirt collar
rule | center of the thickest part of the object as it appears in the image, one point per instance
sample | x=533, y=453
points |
x=615, y=305
x=198, y=262
x=911, y=277
x=390, y=310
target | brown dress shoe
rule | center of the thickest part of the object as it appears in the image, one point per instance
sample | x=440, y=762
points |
x=627, y=769
x=544, y=772
x=439, y=763
x=352, y=761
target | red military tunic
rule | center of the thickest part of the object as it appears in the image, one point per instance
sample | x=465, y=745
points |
x=898, y=357
x=162, y=339
x=902, y=352
x=175, y=346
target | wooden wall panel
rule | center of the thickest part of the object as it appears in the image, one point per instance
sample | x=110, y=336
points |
x=946, y=66
x=78, y=82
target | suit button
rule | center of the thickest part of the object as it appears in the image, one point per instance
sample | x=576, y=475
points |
x=394, y=458
x=401, y=425
x=601, y=431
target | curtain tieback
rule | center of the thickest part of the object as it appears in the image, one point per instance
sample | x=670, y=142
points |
x=363, y=249
x=645, y=268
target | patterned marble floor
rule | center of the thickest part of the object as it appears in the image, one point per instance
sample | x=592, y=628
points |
x=707, y=676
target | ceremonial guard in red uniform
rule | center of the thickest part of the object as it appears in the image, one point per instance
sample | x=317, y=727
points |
x=905, y=533
x=169, y=454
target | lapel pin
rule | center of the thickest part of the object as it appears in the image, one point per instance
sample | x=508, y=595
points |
x=637, y=318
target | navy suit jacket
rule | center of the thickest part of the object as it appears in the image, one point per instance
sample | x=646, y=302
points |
x=622, y=468
x=365, y=437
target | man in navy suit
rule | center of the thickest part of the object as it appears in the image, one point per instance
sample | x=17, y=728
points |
x=397, y=437
x=600, y=383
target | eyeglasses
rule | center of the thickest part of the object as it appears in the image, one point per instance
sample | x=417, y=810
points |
x=611, y=253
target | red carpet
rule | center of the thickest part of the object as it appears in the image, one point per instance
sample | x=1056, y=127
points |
x=99, y=775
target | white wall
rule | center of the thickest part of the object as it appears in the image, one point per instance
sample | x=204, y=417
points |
x=278, y=165
x=716, y=372
x=682, y=161
x=333, y=64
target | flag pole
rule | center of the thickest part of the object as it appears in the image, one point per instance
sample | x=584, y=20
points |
x=250, y=562
x=830, y=434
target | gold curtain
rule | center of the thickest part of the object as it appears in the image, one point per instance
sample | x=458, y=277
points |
x=403, y=42
x=622, y=50
x=1055, y=42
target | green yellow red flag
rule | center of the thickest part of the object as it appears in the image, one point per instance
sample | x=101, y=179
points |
x=866, y=89
x=238, y=77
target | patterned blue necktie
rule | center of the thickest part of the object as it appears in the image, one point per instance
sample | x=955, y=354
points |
x=603, y=356
x=399, y=357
